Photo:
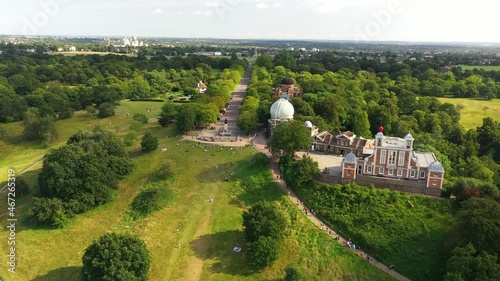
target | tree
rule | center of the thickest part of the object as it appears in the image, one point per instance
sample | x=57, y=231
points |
x=247, y=121
x=149, y=142
x=361, y=124
x=303, y=172
x=289, y=137
x=264, y=219
x=39, y=128
x=3, y=132
x=264, y=251
x=106, y=109
x=186, y=120
x=85, y=172
x=264, y=61
x=116, y=257
x=49, y=212
x=478, y=224
x=466, y=263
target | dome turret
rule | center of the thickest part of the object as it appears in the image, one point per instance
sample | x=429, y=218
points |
x=282, y=109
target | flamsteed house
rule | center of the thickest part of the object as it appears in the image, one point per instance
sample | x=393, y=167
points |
x=393, y=160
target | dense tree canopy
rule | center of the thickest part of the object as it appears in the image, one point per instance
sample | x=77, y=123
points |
x=116, y=257
x=289, y=137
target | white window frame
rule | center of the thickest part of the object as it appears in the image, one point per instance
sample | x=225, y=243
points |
x=381, y=170
x=400, y=173
x=422, y=175
x=369, y=169
x=434, y=182
x=383, y=155
x=349, y=172
x=391, y=172
x=401, y=158
x=392, y=157
x=413, y=174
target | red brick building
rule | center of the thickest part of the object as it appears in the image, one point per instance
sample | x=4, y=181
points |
x=394, y=158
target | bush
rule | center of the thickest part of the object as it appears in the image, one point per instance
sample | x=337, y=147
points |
x=116, y=257
x=49, y=212
x=259, y=161
x=22, y=187
x=141, y=117
x=292, y=274
x=264, y=251
x=129, y=138
x=149, y=142
x=151, y=200
x=106, y=109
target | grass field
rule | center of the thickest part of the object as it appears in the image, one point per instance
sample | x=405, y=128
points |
x=207, y=231
x=485, y=67
x=472, y=114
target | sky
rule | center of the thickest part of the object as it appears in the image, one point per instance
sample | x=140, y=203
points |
x=359, y=20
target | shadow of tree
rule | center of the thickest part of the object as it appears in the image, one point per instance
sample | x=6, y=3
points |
x=219, y=247
x=70, y=273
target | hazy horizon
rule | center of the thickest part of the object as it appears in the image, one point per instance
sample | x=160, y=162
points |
x=368, y=21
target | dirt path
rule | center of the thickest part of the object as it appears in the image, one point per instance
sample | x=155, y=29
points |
x=26, y=170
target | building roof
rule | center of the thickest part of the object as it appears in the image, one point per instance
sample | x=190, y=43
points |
x=287, y=81
x=324, y=137
x=436, y=167
x=424, y=159
x=308, y=124
x=282, y=109
x=201, y=85
x=350, y=158
x=409, y=137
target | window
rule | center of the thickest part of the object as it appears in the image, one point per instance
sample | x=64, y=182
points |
x=392, y=157
x=422, y=175
x=382, y=156
x=412, y=173
x=391, y=172
x=369, y=169
x=434, y=182
x=381, y=170
x=348, y=172
x=401, y=158
x=400, y=173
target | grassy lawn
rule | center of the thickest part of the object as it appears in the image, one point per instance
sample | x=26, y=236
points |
x=18, y=154
x=485, y=67
x=473, y=113
x=408, y=231
x=207, y=231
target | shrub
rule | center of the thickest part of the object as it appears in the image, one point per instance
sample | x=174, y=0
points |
x=292, y=274
x=141, y=117
x=151, y=200
x=116, y=257
x=149, y=142
x=49, y=212
x=106, y=109
x=259, y=161
x=22, y=187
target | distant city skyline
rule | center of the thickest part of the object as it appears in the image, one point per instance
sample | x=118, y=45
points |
x=358, y=20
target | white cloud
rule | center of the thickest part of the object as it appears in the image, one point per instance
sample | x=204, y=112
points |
x=262, y=6
x=158, y=11
x=332, y=6
x=277, y=5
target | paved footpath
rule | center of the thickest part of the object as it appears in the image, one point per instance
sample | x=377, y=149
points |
x=260, y=145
